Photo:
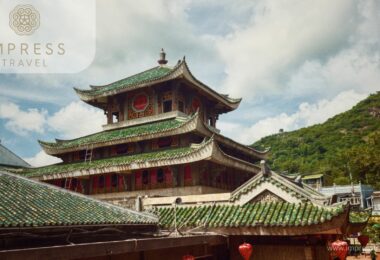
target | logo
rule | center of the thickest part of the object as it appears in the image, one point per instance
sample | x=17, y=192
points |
x=24, y=19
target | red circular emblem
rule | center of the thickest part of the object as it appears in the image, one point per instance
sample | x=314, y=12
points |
x=140, y=102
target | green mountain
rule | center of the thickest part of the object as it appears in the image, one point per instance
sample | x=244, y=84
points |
x=345, y=146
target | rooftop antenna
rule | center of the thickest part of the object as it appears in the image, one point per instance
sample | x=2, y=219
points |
x=162, y=61
x=176, y=202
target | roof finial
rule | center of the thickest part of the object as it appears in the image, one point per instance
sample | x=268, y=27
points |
x=162, y=60
x=264, y=168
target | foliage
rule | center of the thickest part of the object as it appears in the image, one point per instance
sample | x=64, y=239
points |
x=346, y=145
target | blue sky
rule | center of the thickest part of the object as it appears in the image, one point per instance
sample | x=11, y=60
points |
x=295, y=63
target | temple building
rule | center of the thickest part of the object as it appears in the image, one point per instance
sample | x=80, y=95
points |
x=161, y=139
x=161, y=151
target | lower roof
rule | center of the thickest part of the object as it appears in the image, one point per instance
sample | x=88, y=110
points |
x=260, y=218
x=268, y=214
x=207, y=150
x=27, y=203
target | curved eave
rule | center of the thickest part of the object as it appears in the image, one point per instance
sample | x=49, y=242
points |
x=185, y=127
x=262, y=155
x=181, y=70
x=194, y=123
x=207, y=150
x=231, y=103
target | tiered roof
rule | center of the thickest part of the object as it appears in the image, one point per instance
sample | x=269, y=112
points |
x=169, y=127
x=154, y=76
x=27, y=203
x=207, y=150
x=118, y=136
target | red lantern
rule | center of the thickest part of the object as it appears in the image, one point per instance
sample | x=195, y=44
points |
x=245, y=250
x=363, y=240
x=188, y=257
x=340, y=248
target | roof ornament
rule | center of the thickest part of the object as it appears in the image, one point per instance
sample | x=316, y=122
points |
x=162, y=60
x=298, y=180
x=264, y=168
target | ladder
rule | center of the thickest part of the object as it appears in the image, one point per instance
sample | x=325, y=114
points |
x=88, y=155
x=68, y=183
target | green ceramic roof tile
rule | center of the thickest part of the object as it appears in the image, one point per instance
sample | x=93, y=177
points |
x=303, y=193
x=248, y=215
x=102, y=163
x=143, y=77
x=114, y=135
x=359, y=216
x=27, y=203
x=312, y=176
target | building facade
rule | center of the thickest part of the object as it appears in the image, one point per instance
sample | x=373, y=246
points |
x=161, y=139
x=358, y=195
x=161, y=151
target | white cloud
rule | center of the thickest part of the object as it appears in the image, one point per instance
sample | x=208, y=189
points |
x=303, y=48
x=20, y=121
x=306, y=115
x=72, y=121
x=42, y=159
x=76, y=119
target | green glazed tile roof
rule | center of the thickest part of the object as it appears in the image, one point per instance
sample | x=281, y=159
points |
x=117, y=134
x=143, y=77
x=313, y=176
x=304, y=193
x=107, y=162
x=359, y=216
x=27, y=203
x=149, y=77
x=249, y=215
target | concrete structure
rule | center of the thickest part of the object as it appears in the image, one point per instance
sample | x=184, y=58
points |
x=358, y=195
x=375, y=203
x=314, y=180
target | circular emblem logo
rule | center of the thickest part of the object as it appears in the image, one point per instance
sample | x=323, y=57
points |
x=140, y=102
x=24, y=19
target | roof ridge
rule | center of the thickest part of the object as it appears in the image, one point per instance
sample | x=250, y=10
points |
x=14, y=154
x=181, y=122
x=139, y=73
x=185, y=151
x=96, y=88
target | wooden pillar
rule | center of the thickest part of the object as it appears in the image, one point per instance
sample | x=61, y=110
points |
x=109, y=110
x=309, y=253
